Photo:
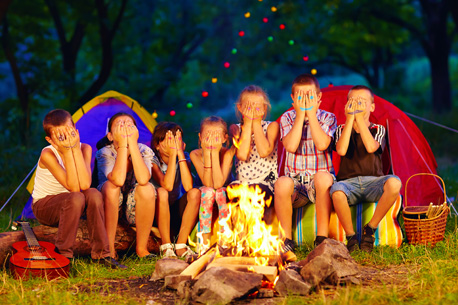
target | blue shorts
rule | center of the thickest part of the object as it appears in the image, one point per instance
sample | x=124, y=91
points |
x=362, y=188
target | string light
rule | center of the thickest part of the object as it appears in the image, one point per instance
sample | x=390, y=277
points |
x=227, y=65
x=172, y=113
x=291, y=42
x=241, y=33
x=270, y=38
x=247, y=15
x=234, y=51
x=214, y=80
x=204, y=93
x=265, y=19
x=154, y=114
x=282, y=26
x=273, y=9
x=189, y=105
x=313, y=71
x=305, y=58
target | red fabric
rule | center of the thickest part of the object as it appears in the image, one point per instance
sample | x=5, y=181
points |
x=410, y=152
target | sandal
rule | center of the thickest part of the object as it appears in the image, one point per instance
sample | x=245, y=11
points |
x=186, y=253
x=167, y=251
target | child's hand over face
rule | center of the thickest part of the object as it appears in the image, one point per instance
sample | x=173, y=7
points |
x=299, y=101
x=350, y=108
x=119, y=134
x=179, y=144
x=72, y=136
x=217, y=141
x=258, y=112
x=311, y=103
x=59, y=140
x=360, y=108
x=247, y=112
x=131, y=134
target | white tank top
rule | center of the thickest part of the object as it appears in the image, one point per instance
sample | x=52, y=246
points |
x=45, y=182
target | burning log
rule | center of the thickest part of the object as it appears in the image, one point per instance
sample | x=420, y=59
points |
x=245, y=264
x=197, y=266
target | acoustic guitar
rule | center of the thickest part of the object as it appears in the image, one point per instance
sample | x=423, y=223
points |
x=34, y=258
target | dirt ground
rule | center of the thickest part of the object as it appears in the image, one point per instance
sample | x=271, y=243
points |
x=153, y=293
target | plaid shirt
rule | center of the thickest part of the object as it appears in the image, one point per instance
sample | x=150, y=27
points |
x=307, y=160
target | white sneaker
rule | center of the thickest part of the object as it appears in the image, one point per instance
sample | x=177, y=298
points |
x=188, y=251
x=167, y=251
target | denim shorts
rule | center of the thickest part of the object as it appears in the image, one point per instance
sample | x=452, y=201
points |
x=362, y=188
x=304, y=190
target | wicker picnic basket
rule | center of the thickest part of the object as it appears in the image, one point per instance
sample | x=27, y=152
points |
x=425, y=225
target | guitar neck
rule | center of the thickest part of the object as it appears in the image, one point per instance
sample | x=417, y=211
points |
x=29, y=235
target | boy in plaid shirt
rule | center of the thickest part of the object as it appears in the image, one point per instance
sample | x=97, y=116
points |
x=306, y=134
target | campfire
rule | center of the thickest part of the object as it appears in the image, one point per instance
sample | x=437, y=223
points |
x=246, y=260
x=245, y=242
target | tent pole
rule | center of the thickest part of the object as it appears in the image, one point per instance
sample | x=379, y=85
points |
x=18, y=187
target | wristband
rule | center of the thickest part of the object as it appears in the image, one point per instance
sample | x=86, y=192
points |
x=207, y=167
x=304, y=109
x=181, y=160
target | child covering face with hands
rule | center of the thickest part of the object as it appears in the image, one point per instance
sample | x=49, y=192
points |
x=171, y=174
x=360, y=144
x=124, y=170
x=213, y=162
x=306, y=134
x=62, y=192
x=256, y=156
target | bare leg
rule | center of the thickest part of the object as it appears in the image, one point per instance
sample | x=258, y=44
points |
x=189, y=217
x=340, y=203
x=163, y=214
x=110, y=194
x=144, y=216
x=284, y=189
x=390, y=194
x=323, y=182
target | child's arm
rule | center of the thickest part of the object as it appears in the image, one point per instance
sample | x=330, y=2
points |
x=244, y=138
x=141, y=169
x=293, y=138
x=82, y=155
x=368, y=140
x=217, y=173
x=66, y=176
x=265, y=143
x=167, y=180
x=344, y=139
x=207, y=177
x=226, y=164
x=118, y=173
x=186, y=177
x=196, y=159
x=319, y=137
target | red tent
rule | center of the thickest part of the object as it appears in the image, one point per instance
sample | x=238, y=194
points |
x=407, y=148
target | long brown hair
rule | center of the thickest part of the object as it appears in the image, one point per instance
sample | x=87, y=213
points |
x=160, y=132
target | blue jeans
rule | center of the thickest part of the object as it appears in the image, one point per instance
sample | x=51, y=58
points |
x=362, y=188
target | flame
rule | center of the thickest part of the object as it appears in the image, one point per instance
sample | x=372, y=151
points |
x=245, y=233
x=236, y=142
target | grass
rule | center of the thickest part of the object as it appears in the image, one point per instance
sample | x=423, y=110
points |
x=408, y=275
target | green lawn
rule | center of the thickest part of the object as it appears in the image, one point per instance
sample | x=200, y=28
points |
x=410, y=274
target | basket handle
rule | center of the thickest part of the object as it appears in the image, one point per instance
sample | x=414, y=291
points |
x=426, y=174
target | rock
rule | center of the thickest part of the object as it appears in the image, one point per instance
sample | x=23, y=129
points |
x=329, y=263
x=172, y=281
x=184, y=290
x=291, y=283
x=168, y=266
x=220, y=285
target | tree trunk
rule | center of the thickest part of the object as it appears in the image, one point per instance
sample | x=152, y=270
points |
x=125, y=240
x=437, y=47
